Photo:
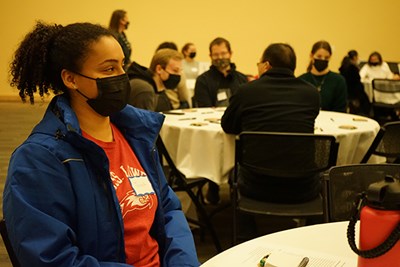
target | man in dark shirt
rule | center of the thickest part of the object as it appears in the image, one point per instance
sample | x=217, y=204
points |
x=214, y=87
x=276, y=102
x=149, y=85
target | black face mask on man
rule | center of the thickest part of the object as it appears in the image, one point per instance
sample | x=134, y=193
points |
x=113, y=94
x=320, y=64
x=221, y=63
x=172, y=81
x=192, y=54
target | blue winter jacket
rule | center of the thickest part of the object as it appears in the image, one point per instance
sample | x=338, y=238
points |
x=59, y=202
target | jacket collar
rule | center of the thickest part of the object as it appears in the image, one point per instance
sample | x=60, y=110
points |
x=279, y=72
x=139, y=124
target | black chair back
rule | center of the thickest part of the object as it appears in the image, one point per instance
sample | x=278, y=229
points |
x=345, y=182
x=286, y=154
x=386, y=143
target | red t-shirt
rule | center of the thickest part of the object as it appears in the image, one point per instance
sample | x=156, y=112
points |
x=137, y=200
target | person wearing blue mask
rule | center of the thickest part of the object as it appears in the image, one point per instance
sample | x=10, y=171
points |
x=331, y=85
x=86, y=188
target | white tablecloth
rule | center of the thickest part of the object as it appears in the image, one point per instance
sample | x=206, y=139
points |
x=200, y=148
x=325, y=244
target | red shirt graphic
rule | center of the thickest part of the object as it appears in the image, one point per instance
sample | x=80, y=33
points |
x=136, y=198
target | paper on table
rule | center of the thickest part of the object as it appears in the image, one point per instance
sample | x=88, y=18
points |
x=317, y=259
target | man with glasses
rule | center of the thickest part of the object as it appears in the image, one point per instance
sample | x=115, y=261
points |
x=148, y=85
x=276, y=102
x=214, y=87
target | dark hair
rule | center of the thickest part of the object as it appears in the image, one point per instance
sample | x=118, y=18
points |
x=116, y=17
x=219, y=41
x=346, y=62
x=318, y=45
x=352, y=53
x=186, y=47
x=376, y=54
x=280, y=55
x=46, y=51
x=170, y=45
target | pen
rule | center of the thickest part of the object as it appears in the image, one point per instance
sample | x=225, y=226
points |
x=187, y=119
x=304, y=262
x=263, y=261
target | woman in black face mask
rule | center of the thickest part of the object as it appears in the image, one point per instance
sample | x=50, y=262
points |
x=90, y=171
x=119, y=22
x=331, y=85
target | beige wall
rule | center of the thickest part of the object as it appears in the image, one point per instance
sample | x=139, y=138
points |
x=249, y=25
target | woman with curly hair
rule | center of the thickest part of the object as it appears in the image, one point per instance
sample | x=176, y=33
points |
x=86, y=187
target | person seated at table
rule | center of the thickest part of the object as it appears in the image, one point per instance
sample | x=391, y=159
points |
x=276, y=102
x=376, y=68
x=149, y=84
x=331, y=86
x=179, y=96
x=357, y=98
x=86, y=188
x=191, y=67
x=214, y=87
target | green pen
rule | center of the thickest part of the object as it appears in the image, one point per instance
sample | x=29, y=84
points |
x=263, y=261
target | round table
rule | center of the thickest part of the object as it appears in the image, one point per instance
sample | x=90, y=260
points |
x=324, y=244
x=200, y=148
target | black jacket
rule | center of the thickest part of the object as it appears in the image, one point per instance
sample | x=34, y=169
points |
x=212, y=81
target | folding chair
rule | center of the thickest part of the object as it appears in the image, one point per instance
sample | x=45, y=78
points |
x=345, y=182
x=7, y=244
x=193, y=187
x=385, y=99
x=386, y=143
x=296, y=155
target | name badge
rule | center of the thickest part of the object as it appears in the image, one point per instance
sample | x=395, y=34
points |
x=222, y=96
x=141, y=185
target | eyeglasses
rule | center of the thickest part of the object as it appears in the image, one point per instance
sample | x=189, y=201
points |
x=259, y=63
x=219, y=55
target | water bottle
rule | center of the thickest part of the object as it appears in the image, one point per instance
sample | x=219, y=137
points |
x=379, y=213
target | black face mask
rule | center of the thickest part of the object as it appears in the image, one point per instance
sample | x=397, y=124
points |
x=172, y=81
x=126, y=25
x=221, y=63
x=374, y=63
x=113, y=94
x=320, y=64
x=192, y=55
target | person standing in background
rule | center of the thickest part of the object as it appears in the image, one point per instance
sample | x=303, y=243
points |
x=331, y=85
x=357, y=98
x=119, y=22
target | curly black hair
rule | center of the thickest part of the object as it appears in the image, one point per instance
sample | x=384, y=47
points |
x=46, y=51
